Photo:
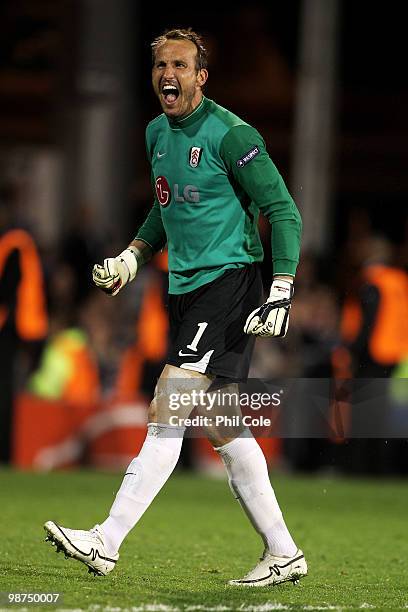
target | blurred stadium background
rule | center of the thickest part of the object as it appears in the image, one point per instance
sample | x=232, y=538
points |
x=323, y=82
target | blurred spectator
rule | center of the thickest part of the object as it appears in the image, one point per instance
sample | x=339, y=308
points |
x=67, y=370
x=312, y=338
x=66, y=390
x=374, y=326
x=316, y=318
x=314, y=321
x=23, y=315
x=375, y=319
x=100, y=318
x=143, y=361
x=80, y=249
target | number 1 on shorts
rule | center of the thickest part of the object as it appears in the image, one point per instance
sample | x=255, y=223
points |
x=201, y=329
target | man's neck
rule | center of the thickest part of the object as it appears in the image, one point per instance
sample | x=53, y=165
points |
x=195, y=114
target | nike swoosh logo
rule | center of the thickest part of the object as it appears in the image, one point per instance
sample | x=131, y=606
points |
x=274, y=569
x=159, y=155
x=92, y=553
x=187, y=354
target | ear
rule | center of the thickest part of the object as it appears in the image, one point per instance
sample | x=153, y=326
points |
x=202, y=77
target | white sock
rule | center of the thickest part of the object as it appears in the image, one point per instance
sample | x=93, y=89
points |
x=145, y=476
x=250, y=484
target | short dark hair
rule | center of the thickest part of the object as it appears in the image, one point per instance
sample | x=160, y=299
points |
x=183, y=34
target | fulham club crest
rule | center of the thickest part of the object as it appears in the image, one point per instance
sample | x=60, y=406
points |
x=195, y=156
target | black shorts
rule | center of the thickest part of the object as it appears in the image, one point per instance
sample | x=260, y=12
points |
x=206, y=324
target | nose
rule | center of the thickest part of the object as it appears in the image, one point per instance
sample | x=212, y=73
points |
x=168, y=72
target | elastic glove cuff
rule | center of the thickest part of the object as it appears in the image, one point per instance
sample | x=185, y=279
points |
x=128, y=257
x=280, y=290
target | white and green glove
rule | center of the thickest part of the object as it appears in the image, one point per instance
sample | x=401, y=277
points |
x=116, y=272
x=272, y=318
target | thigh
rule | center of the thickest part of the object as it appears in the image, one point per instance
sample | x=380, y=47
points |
x=174, y=395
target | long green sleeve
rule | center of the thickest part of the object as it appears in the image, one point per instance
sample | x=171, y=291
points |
x=245, y=156
x=152, y=231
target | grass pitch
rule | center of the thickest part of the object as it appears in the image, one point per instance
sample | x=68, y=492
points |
x=195, y=537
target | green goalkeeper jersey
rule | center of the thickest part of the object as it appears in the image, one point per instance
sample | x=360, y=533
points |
x=211, y=176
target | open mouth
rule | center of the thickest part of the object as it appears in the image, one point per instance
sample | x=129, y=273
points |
x=170, y=93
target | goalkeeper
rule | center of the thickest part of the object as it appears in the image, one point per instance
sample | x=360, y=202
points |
x=211, y=175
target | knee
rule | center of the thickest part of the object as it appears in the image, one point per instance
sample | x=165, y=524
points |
x=217, y=439
x=220, y=436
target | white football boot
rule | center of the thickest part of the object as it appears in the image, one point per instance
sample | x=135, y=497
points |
x=273, y=570
x=85, y=546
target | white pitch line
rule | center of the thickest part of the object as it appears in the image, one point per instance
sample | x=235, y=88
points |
x=265, y=607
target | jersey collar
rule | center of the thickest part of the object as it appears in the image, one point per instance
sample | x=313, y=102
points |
x=177, y=124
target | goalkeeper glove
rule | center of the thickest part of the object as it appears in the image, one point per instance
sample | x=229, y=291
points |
x=116, y=272
x=272, y=319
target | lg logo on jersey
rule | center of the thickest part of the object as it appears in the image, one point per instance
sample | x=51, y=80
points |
x=162, y=190
x=190, y=193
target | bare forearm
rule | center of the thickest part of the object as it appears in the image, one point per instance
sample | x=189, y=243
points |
x=143, y=251
x=285, y=277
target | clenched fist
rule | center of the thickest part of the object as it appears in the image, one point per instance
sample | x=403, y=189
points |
x=272, y=318
x=115, y=272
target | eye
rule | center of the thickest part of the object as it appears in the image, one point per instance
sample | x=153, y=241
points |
x=160, y=64
x=180, y=65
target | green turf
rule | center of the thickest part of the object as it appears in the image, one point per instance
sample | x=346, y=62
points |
x=194, y=538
